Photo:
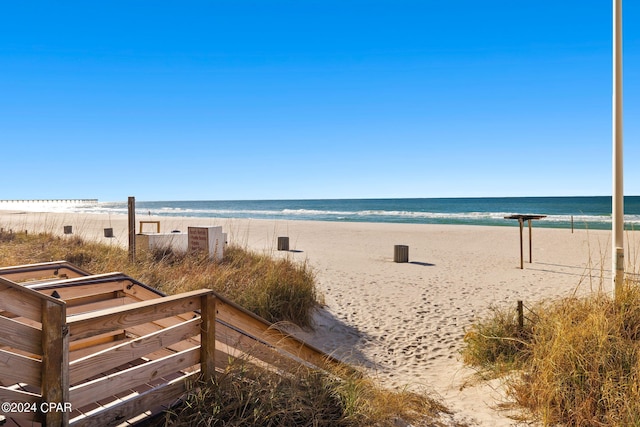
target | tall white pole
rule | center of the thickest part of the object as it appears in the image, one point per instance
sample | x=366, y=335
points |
x=617, y=208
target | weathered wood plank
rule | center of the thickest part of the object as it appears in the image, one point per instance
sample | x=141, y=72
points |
x=46, y=270
x=37, y=275
x=174, y=320
x=68, y=292
x=263, y=330
x=55, y=360
x=113, y=384
x=21, y=336
x=120, y=354
x=98, y=305
x=87, y=324
x=142, y=293
x=106, y=300
x=149, y=328
x=208, y=335
x=15, y=368
x=88, y=344
x=10, y=395
x=227, y=355
x=92, y=279
x=257, y=349
x=156, y=400
x=18, y=300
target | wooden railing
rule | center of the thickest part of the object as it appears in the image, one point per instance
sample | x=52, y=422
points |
x=163, y=354
x=109, y=348
x=42, y=271
x=34, y=353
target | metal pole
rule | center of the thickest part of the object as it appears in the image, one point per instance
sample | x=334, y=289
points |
x=132, y=228
x=617, y=206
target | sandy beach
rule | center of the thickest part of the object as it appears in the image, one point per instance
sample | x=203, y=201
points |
x=404, y=322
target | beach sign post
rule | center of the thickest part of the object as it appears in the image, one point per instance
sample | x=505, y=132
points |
x=617, y=205
x=210, y=240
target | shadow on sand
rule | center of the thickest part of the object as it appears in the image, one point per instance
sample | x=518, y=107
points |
x=424, y=264
x=336, y=338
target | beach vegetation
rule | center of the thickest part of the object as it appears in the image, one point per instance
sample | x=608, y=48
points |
x=277, y=289
x=577, y=363
x=245, y=395
x=498, y=343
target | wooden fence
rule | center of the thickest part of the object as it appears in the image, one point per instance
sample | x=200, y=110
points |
x=99, y=350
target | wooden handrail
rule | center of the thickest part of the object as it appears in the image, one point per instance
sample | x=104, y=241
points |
x=22, y=301
x=258, y=328
x=42, y=270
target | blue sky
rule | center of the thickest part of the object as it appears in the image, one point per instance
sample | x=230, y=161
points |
x=238, y=99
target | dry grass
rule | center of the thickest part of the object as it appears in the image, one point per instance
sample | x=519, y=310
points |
x=577, y=363
x=247, y=396
x=276, y=289
x=497, y=344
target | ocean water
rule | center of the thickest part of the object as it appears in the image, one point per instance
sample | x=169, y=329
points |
x=587, y=212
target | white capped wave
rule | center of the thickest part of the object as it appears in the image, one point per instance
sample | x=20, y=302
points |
x=374, y=215
x=66, y=205
x=315, y=212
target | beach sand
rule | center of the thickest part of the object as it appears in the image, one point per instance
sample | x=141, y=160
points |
x=404, y=322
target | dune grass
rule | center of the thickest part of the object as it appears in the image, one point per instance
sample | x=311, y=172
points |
x=575, y=363
x=247, y=396
x=275, y=289
x=497, y=344
x=279, y=290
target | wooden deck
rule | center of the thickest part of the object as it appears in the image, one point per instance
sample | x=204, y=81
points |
x=107, y=350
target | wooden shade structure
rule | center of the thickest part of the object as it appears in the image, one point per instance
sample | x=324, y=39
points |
x=521, y=219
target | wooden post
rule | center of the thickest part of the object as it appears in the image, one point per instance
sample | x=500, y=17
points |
x=521, y=222
x=68, y=229
x=520, y=315
x=55, y=361
x=208, y=336
x=401, y=253
x=530, y=252
x=132, y=229
x=283, y=243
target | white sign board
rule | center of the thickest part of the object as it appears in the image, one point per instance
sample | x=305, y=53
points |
x=210, y=240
